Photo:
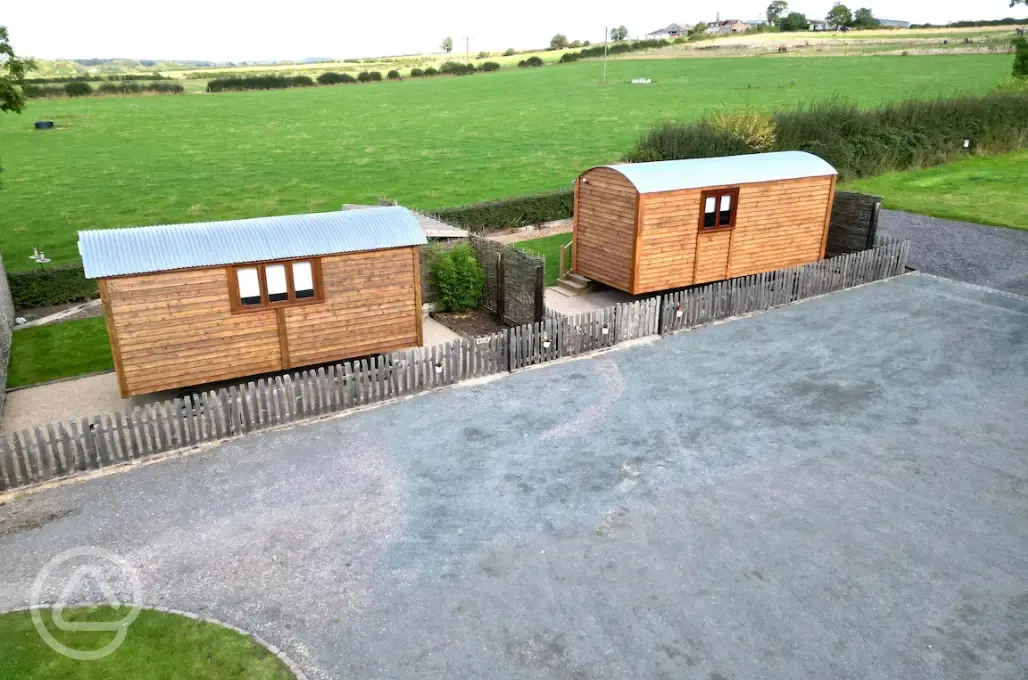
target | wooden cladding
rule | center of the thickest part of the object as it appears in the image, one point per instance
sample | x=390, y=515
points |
x=183, y=328
x=659, y=241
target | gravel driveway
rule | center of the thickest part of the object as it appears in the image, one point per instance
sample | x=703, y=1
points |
x=995, y=257
x=835, y=489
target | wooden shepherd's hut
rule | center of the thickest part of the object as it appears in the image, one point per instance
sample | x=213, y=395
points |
x=645, y=227
x=188, y=304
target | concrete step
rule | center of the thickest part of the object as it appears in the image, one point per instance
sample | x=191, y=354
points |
x=578, y=278
x=574, y=284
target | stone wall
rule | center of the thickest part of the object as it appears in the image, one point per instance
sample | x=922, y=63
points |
x=854, y=223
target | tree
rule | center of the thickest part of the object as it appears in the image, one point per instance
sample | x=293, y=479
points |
x=12, y=73
x=1020, y=69
x=447, y=44
x=558, y=42
x=698, y=29
x=775, y=11
x=839, y=15
x=794, y=21
x=618, y=34
x=575, y=44
x=864, y=18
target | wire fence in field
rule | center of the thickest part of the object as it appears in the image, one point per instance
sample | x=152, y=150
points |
x=46, y=452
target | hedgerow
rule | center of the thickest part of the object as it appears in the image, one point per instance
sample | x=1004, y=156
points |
x=616, y=48
x=857, y=142
x=512, y=212
x=48, y=287
x=258, y=83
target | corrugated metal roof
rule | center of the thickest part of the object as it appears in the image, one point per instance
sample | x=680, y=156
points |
x=697, y=173
x=138, y=250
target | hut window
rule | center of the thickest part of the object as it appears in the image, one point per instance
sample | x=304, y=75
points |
x=278, y=288
x=719, y=209
x=303, y=279
x=249, y=286
x=275, y=284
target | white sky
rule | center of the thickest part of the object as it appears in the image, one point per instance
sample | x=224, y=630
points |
x=238, y=30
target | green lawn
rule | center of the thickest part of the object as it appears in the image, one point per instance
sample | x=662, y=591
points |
x=983, y=189
x=122, y=161
x=549, y=248
x=59, y=350
x=157, y=647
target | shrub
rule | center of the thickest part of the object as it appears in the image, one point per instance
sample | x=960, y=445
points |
x=393, y=75
x=456, y=68
x=333, y=78
x=416, y=73
x=509, y=52
x=586, y=43
x=483, y=55
x=857, y=142
x=616, y=48
x=511, y=212
x=459, y=279
x=490, y=66
x=268, y=82
x=78, y=89
x=48, y=287
x=431, y=71
x=1020, y=69
x=369, y=77
x=531, y=62
x=753, y=127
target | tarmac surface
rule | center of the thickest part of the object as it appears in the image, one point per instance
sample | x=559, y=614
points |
x=833, y=489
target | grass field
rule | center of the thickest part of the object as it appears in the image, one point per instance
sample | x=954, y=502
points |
x=428, y=143
x=987, y=190
x=157, y=647
x=549, y=248
x=59, y=350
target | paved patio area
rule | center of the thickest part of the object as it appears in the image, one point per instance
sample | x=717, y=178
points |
x=834, y=489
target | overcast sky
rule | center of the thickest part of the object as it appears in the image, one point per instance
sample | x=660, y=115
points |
x=238, y=30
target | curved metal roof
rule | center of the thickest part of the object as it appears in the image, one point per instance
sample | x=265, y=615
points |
x=140, y=250
x=698, y=173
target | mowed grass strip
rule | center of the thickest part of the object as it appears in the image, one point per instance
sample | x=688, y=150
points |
x=125, y=161
x=549, y=248
x=983, y=189
x=157, y=647
x=59, y=350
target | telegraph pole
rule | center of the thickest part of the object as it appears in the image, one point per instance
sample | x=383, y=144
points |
x=605, y=35
x=467, y=49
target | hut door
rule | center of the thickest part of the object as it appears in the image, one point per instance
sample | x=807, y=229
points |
x=714, y=237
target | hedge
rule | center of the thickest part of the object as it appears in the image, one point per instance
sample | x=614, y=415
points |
x=258, y=83
x=857, y=142
x=511, y=212
x=616, y=48
x=48, y=287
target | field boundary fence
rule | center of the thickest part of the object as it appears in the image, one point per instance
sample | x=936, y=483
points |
x=60, y=449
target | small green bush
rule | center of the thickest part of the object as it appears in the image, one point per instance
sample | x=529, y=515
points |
x=393, y=75
x=431, y=71
x=333, y=78
x=369, y=77
x=416, y=73
x=78, y=89
x=48, y=287
x=459, y=279
x=1020, y=69
x=456, y=68
x=490, y=66
x=510, y=52
x=512, y=212
x=531, y=62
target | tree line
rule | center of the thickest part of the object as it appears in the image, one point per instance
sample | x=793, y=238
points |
x=839, y=16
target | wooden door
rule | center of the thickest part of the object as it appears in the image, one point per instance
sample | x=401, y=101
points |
x=714, y=236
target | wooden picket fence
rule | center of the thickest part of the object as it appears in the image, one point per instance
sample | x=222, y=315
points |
x=56, y=450
x=725, y=299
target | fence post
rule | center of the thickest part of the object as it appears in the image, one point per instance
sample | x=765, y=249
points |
x=501, y=289
x=540, y=291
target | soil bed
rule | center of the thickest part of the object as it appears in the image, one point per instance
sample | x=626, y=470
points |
x=471, y=325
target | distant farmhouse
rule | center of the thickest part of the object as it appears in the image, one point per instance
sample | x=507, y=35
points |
x=723, y=26
x=670, y=32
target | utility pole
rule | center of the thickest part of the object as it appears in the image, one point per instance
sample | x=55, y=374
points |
x=467, y=49
x=606, y=33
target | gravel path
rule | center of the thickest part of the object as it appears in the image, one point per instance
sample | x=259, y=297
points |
x=995, y=257
x=833, y=489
